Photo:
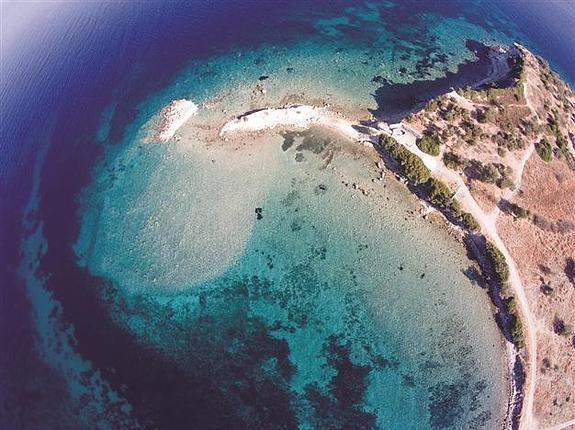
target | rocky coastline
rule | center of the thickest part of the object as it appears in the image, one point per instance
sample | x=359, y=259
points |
x=506, y=74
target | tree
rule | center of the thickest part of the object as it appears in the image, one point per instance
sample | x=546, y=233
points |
x=498, y=263
x=559, y=326
x=410, y=164
x=517, y=332
x=429, y=143
x=469, y=221
x=439, y=193
x=453, y=161
x=489, y=173
x=544, y=150
x=518, y=211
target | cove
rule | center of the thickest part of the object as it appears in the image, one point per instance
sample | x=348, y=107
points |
x=309, y=303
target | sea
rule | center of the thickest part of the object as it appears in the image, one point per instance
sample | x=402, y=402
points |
x=272, y=283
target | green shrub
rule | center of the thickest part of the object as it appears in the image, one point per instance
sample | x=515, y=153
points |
x=489, y=174
x=517, y=332
x=498, y=263
x=529, y=127
x=554, y=127
x=439, y=193
x=511, y=305
x=515, y=327
x=453, y=161
x=517, y=210
x=469, y=222
x=505, y=176
x=433, y=104
x=505, y=182
x=453, y=112
x=481, y=116
x=543, y=148
x=561, y=141
x=455, y=208
x=471, y=132
x=509, y=140
x=411, y=165
x=429, y=143
x=387, y=142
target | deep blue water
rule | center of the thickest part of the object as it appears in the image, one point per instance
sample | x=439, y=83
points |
x=60, y=70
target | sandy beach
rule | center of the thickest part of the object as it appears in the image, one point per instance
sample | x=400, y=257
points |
x=297, y=117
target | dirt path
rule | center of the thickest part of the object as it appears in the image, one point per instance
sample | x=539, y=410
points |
x=562, y=426
x=488, y=227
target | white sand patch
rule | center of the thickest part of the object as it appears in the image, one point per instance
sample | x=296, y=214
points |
x=296, y=117
x=174, y=116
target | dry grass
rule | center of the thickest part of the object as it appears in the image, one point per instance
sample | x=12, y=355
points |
x=548, y=190
x=541, y=243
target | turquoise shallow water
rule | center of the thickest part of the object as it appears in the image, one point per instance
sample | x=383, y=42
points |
x=155, y=298
x=333, y=307
x=342, y=63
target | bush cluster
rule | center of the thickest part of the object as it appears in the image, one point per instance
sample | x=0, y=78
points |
x=492, y=173
x=515, y=325
x=543, y=148
x=555, y=128
x=498, y=263
x=471, y=132
x=492, y=94
x=453, y=112
x=437, y=192
x=435, y=103
x=429, y=143
x=508, y=140
x=411, y=165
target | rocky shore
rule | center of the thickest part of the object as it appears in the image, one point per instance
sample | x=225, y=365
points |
x=173, y=116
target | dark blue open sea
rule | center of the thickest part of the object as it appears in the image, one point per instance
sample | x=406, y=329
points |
x=110, y=317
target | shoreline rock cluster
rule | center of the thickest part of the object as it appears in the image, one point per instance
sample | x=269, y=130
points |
x=173, y=116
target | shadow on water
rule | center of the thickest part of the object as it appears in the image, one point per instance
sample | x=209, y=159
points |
x=476, y=246
x=396, y=100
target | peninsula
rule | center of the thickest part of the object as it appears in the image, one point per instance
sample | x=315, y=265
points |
x=497, y=159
